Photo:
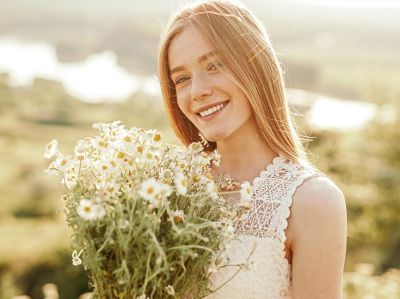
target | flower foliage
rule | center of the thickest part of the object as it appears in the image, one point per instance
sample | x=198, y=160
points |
x=146, y=216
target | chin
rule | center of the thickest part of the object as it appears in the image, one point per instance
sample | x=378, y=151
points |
x=216, y=136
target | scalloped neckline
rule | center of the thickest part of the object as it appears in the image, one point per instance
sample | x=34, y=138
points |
x=266, y=169
x=275, y=161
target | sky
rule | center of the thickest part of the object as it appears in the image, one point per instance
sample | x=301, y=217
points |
x=368, y=4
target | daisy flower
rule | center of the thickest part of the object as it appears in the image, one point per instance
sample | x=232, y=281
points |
x=150, y=190
x=127, y=141
x=196, y=147
x=216, y=158
x=61, y=164
x=76, y=260
x=139, y=149
x=201, y=159
x=70, y=180
x=121, y=155
x=107, y=166
x=156, y=137
x=153, y=137
x=90, y=211
x=203, y=140
x=181, y=183
x=181, y=166
x=109, y=129
x=210, y=186
x=149, y=156
x=82, y=146
x=245, y=191
x=166, y=174
x=51, y=149
x=177, y=216
x=101, y=143
x=107, y=189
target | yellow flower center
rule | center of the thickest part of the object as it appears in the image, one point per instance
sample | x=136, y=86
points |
x=184, y=182
x=150, y=190
x=103, y=144
x=157, y=137
x=178, y=219
x=195, y=146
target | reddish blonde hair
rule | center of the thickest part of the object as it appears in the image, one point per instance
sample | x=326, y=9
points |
x=246, y=51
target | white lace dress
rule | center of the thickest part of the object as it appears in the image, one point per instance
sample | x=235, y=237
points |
x=264, y=227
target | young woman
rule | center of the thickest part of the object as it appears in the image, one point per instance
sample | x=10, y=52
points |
x=220, y=76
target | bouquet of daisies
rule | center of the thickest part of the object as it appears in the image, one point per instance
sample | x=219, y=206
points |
x=147, y=218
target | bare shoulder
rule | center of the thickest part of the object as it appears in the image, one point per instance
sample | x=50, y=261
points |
x=319, y=194
x=318, y=205
x=318, y=223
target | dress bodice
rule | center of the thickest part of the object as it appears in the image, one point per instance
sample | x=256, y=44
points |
x=261, y=237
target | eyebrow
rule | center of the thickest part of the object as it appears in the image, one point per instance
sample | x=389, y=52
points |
x=200, y=60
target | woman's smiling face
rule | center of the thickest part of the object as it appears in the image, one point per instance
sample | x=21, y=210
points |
x=205, y=94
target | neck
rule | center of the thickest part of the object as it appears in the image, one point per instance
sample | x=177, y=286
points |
x=244, y=154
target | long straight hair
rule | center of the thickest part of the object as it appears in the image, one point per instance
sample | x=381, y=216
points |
x=245, y=50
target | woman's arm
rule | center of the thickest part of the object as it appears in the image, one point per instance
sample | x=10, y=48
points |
x=319, y=231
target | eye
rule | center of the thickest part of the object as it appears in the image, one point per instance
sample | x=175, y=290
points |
x=180, y=80
x=214, y=66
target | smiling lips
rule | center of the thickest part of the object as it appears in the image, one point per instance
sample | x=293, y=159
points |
x=212, y=110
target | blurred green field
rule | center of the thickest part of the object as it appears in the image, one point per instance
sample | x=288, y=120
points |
x=35, y=240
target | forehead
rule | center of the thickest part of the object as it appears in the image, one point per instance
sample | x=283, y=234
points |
x=187, y=47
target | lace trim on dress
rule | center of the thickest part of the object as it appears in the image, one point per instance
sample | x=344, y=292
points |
x=272, y=196
x=264, y=224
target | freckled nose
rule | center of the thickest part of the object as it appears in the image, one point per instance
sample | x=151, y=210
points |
x=201, y=87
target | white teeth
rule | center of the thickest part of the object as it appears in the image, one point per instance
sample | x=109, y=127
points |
x=211, y=110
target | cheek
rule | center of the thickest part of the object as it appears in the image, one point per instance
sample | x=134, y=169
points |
x=184, y=106
x=246, y=105
x=183, y=101
x=243, y=107
x=247, y=110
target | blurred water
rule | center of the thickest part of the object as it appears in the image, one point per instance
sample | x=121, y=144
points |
x=100, y=78
x=97, y=78
x=323, y=112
